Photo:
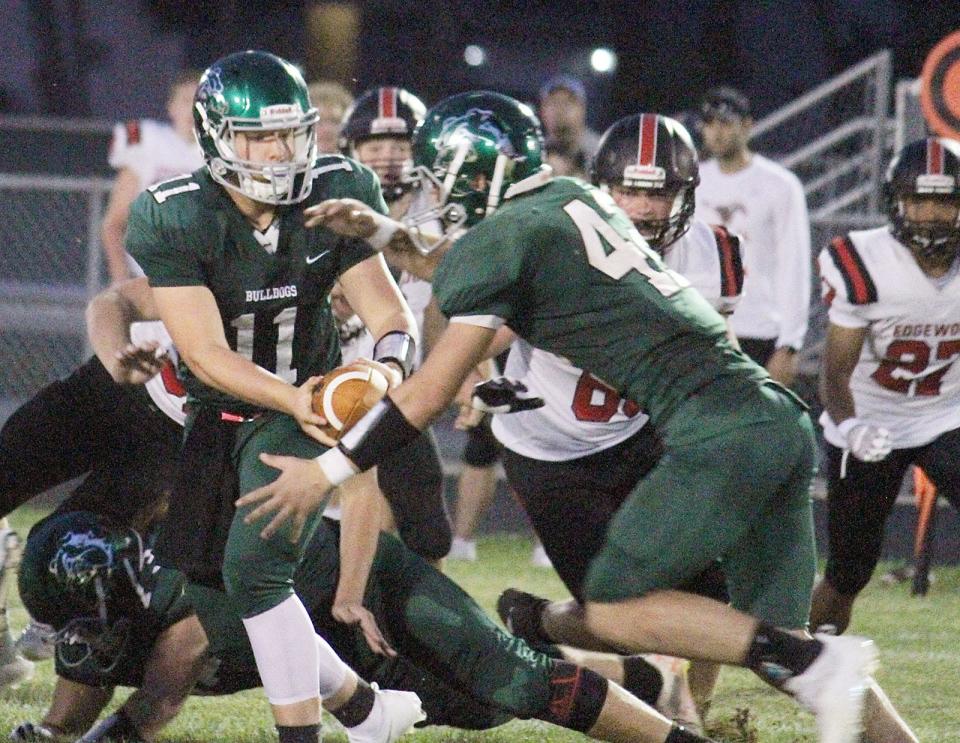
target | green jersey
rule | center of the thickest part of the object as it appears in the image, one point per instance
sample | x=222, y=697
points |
x=271, y=288
x=568, y=272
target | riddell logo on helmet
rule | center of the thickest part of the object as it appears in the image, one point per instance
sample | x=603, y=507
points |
x=388, y=125
x=650, y=176
x=281, y=113
x=935, y=183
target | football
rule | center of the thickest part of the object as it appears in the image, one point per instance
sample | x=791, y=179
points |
x=345, y=394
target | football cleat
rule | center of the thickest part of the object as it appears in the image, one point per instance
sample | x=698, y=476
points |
x=521, y=614
x=834, y=685
x=394, y=713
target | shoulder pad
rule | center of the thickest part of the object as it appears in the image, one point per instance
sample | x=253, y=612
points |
x=171, y=187
x=731, y=263
x=859, y=285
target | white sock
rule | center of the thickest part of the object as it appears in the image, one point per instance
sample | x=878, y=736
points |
x=288, y=655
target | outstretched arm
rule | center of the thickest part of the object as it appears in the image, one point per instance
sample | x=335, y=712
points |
x=108, y=316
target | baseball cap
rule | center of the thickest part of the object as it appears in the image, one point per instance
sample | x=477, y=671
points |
x=724, y=103
x=566, y=82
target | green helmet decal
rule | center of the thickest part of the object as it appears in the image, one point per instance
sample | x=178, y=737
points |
x=473, y=147
x=251, y=92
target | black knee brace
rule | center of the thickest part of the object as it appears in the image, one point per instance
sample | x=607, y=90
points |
x=576, y=696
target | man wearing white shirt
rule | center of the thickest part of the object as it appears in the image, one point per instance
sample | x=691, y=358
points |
x=764, y=204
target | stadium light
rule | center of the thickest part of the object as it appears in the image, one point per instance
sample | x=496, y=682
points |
x=603, y=60
x=474, y=55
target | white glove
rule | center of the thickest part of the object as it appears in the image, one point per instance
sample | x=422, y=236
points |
x=866, y=442
x=31, y=732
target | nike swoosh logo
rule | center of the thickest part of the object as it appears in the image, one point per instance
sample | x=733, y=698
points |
x=318, y=256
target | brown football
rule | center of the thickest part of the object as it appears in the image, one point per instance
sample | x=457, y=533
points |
x=345, y=394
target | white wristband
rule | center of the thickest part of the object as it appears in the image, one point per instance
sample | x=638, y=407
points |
x=336, y=466
x=386, y=228
x=844, y=427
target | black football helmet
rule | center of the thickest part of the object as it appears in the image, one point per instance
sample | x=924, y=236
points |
x=651, y=152
x=383, y=112
x=925, y=168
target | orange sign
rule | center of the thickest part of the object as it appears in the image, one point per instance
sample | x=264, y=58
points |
x=940, y=87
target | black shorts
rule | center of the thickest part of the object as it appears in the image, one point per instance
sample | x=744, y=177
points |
x=758, y=349
x=482, y=448
x=570, y=504
x=859, y=503
x=88, y=424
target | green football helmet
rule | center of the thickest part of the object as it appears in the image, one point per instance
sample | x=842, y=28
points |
x=254, y=92
x=88, y=579
x=472, y=148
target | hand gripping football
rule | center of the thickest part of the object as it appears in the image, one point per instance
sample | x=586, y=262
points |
x=345, y=394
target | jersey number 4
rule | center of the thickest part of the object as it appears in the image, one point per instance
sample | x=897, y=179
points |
x=911, y=359
x=627, y=253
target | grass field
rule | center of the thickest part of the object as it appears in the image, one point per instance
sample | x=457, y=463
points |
x=919, y=642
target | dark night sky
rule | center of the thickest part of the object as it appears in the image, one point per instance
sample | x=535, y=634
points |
x=77, y=54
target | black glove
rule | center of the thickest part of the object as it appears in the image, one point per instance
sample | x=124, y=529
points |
x=503, y=395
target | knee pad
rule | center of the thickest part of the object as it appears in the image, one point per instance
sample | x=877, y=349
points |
x=576, y=696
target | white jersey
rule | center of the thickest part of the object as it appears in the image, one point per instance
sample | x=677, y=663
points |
x=165, y=389
x=152, y=150
x=356, y=341
x=765, y=205
x=581, y=415
x=908, y=376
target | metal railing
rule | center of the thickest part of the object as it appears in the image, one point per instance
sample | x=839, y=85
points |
x=843, y=131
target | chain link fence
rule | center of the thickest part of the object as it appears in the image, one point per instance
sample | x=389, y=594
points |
x=49, y=266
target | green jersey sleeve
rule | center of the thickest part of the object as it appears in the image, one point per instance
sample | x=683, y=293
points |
x=350, y=179
x=156, y=240
x=482, y=274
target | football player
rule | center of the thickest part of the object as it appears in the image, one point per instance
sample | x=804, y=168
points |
x=376, y=132
x=121, y=619
x=242, y=286
x=648, y=165
x=558, y=262
x=890, y=382
x=574, y=461
x=144, y=152
x=94, y=423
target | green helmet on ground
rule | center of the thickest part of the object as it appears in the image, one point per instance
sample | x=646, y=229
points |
x=251, y=92
x=473, y=147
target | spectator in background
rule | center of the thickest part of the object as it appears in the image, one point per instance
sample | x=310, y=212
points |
x=563, y=113
x=764, y=204
x=331, y=100
x=144, y=152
